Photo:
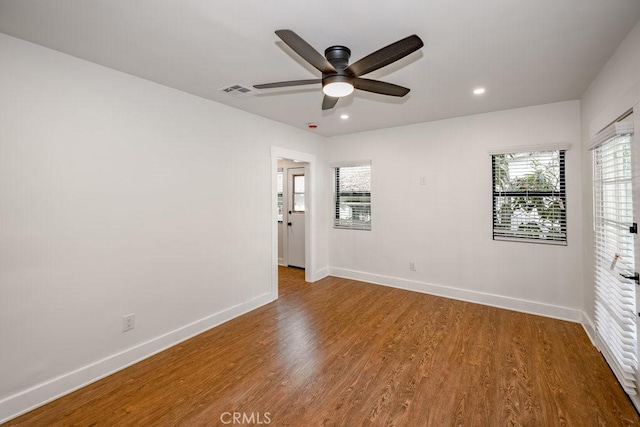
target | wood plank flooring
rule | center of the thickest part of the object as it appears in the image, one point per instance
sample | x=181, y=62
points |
x=345, y=353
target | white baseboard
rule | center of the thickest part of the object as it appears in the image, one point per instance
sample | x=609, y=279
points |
x=27, y=400
x=509, y=303
x=590, y=329
x=321, y=274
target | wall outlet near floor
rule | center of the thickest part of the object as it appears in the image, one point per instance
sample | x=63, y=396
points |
x=128, y=322
x=412, y=266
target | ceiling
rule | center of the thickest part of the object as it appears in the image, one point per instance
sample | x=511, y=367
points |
x=524, y=52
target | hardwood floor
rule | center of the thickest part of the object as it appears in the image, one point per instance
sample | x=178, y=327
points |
x=346, y=353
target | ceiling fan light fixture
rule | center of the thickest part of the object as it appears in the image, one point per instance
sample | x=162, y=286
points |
x=337, y=86
x=338, y=89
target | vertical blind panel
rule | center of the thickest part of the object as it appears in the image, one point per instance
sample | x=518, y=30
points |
x=280, y=190
x=529, y=197
x=353, y=197
x=615, y=305
x=280, y=182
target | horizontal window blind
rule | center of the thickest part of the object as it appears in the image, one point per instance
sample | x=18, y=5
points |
x=280, y=191
x=352, y=197
x=615, y=299
x=529, y=197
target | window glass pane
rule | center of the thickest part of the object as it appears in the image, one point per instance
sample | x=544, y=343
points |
x=298, y=202
x=529, y=197
x=298, y=193
x=355, y=178
x=531, y=171
x=353, y=197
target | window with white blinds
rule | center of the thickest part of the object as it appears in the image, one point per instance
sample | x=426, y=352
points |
x=352, y=197
x=529, y=197
x=280, y=191
x=615, y=299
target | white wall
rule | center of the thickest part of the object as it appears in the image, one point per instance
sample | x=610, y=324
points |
x=445, y=226
x=118, y=196
x=615, y=90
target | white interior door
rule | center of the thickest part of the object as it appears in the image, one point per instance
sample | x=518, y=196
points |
x=296, y=216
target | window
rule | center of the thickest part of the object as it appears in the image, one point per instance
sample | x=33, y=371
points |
x=280, y=190
x=615, y=293
x=353, y=197
x=298, y=193
x=529, y=197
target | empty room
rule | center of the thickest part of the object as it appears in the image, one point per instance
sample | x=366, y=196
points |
x=411, y=213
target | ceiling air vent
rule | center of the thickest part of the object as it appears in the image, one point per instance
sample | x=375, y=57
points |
x=236, y=90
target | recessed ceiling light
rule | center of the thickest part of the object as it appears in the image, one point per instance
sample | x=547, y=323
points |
x=344, y=116
x=478, y=91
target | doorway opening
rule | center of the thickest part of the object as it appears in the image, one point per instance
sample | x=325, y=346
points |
x=292, y=190
x=293, y=207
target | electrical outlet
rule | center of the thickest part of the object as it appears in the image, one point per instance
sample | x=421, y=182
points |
x=128, y=322
x=412, y=266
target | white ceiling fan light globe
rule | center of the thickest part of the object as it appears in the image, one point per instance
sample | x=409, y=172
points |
x=337, y=89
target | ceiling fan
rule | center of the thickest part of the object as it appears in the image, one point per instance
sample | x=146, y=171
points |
x=338, y=77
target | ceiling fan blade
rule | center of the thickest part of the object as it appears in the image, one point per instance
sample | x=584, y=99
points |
x=287, y=83
x=328, y=102
x=306, y=51
x=385, y=56
x=376, y=86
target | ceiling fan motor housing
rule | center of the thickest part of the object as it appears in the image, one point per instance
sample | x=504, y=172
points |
x=338, y=56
